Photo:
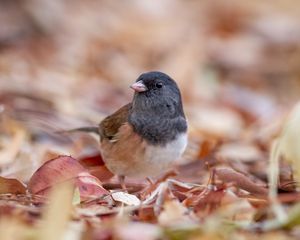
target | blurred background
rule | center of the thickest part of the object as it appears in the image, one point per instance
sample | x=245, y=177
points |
x=66, y=64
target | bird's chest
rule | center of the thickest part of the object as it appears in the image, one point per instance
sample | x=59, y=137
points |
x=157, y=159
x=162, y=156
x=141, y=159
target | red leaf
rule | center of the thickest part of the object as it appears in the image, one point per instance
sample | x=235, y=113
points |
x=96, y=167
x=101, y=172
x=89, y=186
x=92, y=161
x=54, y=171
x=61, y=169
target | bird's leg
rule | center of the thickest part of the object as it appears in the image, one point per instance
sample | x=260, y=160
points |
x=159, y=195
x=121, y=179
x=150, y=188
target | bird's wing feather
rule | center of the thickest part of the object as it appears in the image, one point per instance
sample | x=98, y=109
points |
x=108, y=128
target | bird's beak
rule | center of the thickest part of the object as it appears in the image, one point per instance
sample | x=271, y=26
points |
x=139, y=87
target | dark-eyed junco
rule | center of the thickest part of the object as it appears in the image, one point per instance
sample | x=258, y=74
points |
x=143, y=138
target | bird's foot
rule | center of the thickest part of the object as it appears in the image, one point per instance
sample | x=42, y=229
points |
x=158, y=191
x=155, y=184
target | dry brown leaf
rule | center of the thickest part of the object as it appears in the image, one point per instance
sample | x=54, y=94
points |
x=240, y=180
x=228, y=57
x=9, y=185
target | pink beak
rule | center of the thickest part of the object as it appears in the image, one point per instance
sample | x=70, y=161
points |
x=139, y=87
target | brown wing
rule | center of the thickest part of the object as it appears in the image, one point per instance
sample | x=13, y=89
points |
x=109, y=126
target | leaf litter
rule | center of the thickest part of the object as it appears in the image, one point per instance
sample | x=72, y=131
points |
x=237, y=64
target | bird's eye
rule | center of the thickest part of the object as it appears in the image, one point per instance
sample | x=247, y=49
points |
x=158, y=85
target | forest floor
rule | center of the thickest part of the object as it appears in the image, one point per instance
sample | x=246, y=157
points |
x=64, y=66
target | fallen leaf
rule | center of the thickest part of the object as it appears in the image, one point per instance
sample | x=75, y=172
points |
x=235, y=208
x=241, y=181
x=126, y=198
x=54, y=171
x=9, y=185
x=100, y=172
x=207, y=201
x=89, y=186
x=91, y=161
x=95, y=166
x=64, y=169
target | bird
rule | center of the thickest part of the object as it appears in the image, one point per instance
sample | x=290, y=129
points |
x=143, y=138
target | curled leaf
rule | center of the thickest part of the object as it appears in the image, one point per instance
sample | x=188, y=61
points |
x=65, y=169
x=241, y=181
x=89, y=186
x=54, y=171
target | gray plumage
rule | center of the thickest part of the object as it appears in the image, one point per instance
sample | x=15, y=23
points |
x=157, y=114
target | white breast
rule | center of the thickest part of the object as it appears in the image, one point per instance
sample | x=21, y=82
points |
x=144, y=162
x=158, y=159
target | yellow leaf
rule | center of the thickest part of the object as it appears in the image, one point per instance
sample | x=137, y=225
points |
x=57, y=213
x=290, y=140
x=76, y=197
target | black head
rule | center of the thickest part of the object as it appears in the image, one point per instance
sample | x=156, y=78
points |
x=154, y=90
x=153, y=83
x=157, y=113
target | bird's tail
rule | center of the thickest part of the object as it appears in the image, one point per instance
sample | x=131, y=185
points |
x=81, y=129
